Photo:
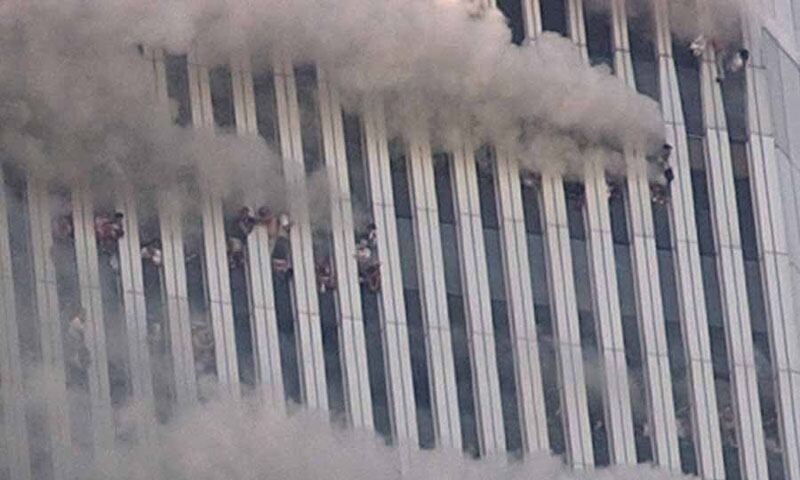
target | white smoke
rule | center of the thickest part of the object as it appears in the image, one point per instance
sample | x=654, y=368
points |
x=240, y=440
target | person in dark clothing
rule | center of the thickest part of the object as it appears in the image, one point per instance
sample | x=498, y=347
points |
x=245, y=222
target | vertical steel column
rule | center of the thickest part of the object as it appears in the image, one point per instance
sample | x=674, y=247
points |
x=92, y=316
x=577, y=26
x=352, y=341
x=478, y=310
x=140, y=376
x=608, y=318
x=264, y=320
x=174, y=275
x=308, y=329
x=435, y=316
x=50, y=333
x=177, y=300
x=644, y=261
x=777, y=284
x=730, y=268
x=15, y=456
x=396, y=352
x=216, y=258
x=521, y=316
x=532, y=17
x=694, y=324
x=574, y=408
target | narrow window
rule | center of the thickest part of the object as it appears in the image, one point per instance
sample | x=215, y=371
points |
x=689, y=84
x=411, y=292
x=679, y=372
x=630, y=319
x=581, y=271
x=512, y=9
x=221, y=86
x=177, y=70
x=599, y=44
x=531, y=200
x=311, y=135
x=554, y=16
x=497, y=290
x=370, y=301
x=455, y=303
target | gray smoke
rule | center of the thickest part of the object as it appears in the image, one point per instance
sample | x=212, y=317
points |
x=241, y=440
x=77, y=98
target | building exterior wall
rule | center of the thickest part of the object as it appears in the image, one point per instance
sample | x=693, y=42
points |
x=512, y=316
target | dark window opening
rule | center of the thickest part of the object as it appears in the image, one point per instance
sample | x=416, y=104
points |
x=308, y=103
x=155, y=310
x=554, y=16
x=500, y=321
x=455, y=304
x=512, y=9
x=370, y=300
x=598, y=34
x=632, y=340
x=411, y=293
x=544, y=327
x=221, y=86
x=177, y=71
x=595, y=378
x=675, y=345
x=266, y=108
x=644, y=57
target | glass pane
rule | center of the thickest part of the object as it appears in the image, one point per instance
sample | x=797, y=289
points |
x=222, y=97
x=308, y=103
x=266, y=107
x=177, y=70
x=598, y=33
x=554, y=16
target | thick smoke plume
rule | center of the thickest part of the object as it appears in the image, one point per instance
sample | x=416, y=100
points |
x=239, y=440
x=77, y=98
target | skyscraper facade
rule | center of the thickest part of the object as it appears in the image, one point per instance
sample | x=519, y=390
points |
x=453, y=299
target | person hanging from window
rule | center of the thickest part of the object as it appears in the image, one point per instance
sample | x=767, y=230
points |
x=367, y=260
x=281, y=256
x=530, y=179
x=659, y=194
x=155, y=334
x=698, y=46
x=325, y=278
x=372, y=236
x=738, y=60
x=285, y=224
x=64, y=228
x=245, y=222
x=78, y=355
x=152, y=253
x=203, y=344
x=666, y=153
x=731, y=62
x=669, y=175
x=266, y=218
x=613, y=188
x=108, y=230
x=236, y=257
x=727, y=423
x=684, y=426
